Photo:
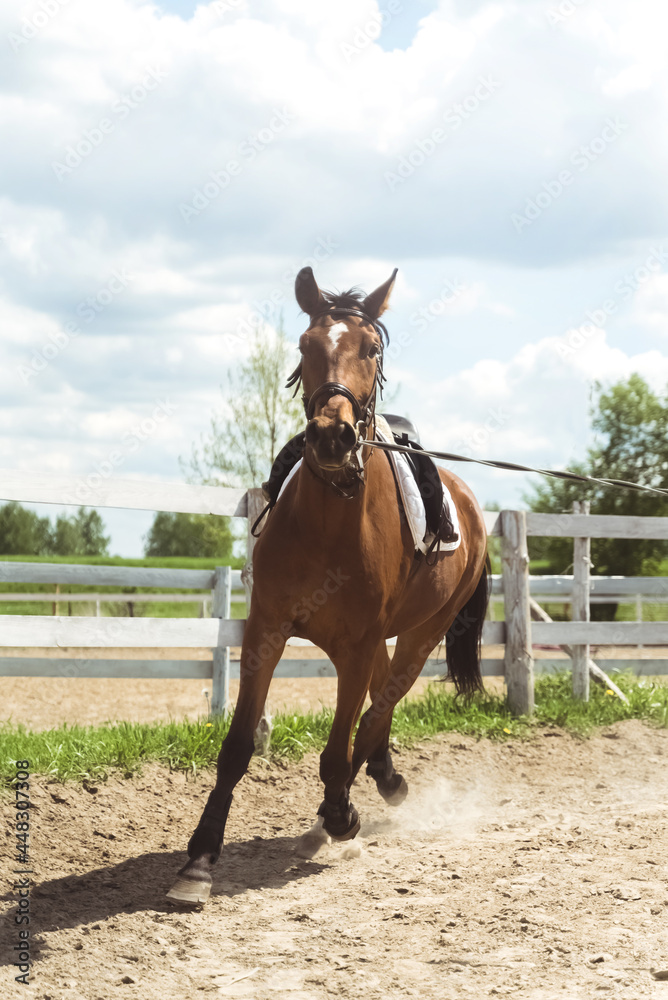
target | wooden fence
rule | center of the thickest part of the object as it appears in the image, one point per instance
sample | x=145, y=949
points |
x=220, y=632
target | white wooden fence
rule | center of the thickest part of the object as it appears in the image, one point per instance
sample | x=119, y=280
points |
x=220, y=632
x=514, y=527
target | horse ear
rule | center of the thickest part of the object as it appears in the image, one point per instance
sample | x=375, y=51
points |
x=309, y=297
x=376, y=303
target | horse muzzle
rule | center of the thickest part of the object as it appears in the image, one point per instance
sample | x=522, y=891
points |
x=332, y=442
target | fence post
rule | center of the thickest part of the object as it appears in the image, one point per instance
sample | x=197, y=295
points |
x=256, y=504
x=221, y=608
x=580, y=605
x=518, y=656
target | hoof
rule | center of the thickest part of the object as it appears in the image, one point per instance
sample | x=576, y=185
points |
x=350, y=833
x=394, y=791
x=193, y=884
x=189, y=890
x=340, y=822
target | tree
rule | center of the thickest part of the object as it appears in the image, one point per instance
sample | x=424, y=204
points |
x=630, y=421
x=203, y=535
x=260, y=417
x=23, y=532
x=80, y=534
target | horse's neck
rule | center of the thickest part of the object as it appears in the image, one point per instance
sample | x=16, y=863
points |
x=318, y=502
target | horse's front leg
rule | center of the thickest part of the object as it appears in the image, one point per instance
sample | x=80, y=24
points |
x=260, y=653
x=340, y=818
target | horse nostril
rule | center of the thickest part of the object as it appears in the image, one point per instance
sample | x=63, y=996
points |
x=331, y=442
x=347, y=435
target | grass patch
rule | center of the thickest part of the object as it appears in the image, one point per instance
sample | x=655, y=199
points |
x=141, y=609
x=93, y=752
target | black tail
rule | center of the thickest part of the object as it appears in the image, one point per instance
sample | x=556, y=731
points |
x=462, y=641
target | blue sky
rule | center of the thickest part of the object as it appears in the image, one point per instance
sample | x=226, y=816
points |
x=168, y=167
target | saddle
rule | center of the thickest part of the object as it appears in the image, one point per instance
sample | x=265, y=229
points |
x=425, y=473
x=424, y=470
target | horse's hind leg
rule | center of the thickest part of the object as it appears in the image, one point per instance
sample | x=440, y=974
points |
x=258, y=660
x=380, y=766
x=411, y=652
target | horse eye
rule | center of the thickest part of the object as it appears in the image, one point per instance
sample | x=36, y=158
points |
x=373, y=351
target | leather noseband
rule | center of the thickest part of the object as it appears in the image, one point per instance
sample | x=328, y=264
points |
x=329, y=389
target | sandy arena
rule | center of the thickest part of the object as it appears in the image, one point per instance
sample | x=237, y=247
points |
x=534, y=870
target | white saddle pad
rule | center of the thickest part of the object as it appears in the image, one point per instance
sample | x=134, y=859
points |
x=411, y=499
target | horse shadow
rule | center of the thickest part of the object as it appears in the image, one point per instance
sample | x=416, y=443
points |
x=140, y=883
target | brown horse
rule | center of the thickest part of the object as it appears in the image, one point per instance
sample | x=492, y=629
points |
x=336, y=564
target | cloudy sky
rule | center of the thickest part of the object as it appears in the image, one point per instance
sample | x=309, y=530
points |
x=168, y=167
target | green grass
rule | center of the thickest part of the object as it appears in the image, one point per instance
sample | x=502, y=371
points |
x=148, y=609
x=94, y=752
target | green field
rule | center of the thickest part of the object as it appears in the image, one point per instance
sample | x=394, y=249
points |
x=94, y=752
x=159, y=609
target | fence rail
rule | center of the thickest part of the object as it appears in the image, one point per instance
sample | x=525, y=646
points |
x=552, y=588
x=218, y=633
x=97, y=491
x=584, y=526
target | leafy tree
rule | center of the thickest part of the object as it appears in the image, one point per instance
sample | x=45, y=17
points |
x=80, y=534
x=630, y=422
x=23, y=532
x=260, y=416
x=204, y=535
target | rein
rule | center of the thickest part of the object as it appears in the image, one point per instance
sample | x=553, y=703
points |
x=446, y=456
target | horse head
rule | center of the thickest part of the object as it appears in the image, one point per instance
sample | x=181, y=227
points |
x=341, y=367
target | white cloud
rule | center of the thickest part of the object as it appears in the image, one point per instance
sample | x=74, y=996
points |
x=532, y=408
x=651, y=304
x=312, y=129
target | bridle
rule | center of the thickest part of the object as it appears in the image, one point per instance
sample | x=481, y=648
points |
x=364, y=412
